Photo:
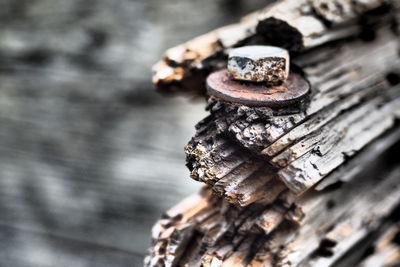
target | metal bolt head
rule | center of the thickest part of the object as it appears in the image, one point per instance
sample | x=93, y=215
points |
x=259, y=63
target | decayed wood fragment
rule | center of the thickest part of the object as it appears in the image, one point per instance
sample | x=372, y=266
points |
x=302, y=185
x=293, y=24
x=313, y=230
x=368, y=156
x=305, y=143
x=351, y=104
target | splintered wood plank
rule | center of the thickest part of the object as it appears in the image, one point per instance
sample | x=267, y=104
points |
x=363, y=64
x=305, y=145
x=259, y=235
x=351, y=219
x=340, y=142
x=261, y=164
x=295, y=25
x=367, y=156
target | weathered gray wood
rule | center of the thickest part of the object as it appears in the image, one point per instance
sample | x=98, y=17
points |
x=260, y=164
x=307, y=145
x=294, y=25
x=367, y=157
x=359, y=207
x=338, y=143
x=81, y=127
x=54, y=202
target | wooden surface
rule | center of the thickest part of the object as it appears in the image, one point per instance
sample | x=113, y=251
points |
x=349, y=79
x=74, y=195
x=89, y=155
x=245, y=154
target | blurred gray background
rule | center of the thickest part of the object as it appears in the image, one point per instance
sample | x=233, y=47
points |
x=90, y=154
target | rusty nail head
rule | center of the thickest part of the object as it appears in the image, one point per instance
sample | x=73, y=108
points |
x=259, y=63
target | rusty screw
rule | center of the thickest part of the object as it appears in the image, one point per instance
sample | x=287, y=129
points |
x=259, y=63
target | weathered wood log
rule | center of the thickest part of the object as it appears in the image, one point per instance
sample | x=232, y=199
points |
x=301, y=185
x=293, y=24
x=307, y=144
x=316, y=229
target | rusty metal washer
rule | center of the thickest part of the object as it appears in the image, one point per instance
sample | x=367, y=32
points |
x=221, y=85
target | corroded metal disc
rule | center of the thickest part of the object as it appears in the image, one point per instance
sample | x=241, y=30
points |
x=222, y=86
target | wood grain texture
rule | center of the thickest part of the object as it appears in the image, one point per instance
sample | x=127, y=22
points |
x=90, y=155
x=237, y=145
x=302, y=144
x=262, y=205
x=308, y=231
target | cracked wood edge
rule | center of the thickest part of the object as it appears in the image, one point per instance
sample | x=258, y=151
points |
x=308, y=23
x=225, y=137
x=307, y=231
x=339, y=143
